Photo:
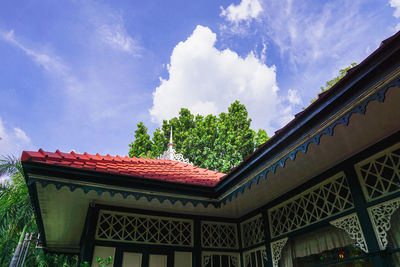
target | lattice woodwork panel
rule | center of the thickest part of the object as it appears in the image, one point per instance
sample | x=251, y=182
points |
x=139, y=228
x=379, y=175
x=252, y=231
x=322, y=201
x=219, y=235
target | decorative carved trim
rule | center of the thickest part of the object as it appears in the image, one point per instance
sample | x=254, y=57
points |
x=276, y=250
x=206, y=259
x=342, y=118
x=252, y=231
x=351, y=225
x=379, y=174
x=170, y=153
x=219, y=235
x=234, y=260
x=317, y=203
x=44, y=181
x=144, y=229
x=380, y=216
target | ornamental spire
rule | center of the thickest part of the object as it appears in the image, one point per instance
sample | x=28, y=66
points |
x=170, y=138
x=171, y=154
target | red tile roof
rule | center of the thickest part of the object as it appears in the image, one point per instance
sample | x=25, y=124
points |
x=157, y=169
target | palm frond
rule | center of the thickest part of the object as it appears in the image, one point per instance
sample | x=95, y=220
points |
x=10, y=165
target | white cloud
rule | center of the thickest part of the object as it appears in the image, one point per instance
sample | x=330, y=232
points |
x=313, y=40
x=206, y=80
x=86, y=92
x=245, y=11
x=13, y=141
x=116, y=37
x=396, y=5
x=293, y=97
x=91, y=86
x=49, y=63
x=21, y=135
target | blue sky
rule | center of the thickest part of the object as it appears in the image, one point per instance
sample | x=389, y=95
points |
x=79, y=75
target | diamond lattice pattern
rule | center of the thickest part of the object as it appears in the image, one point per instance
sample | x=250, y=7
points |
x=252, y=231
x=219, y=235
x=137, y=228
x=317, y=203
x=380, y=174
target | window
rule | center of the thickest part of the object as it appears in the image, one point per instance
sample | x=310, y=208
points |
x=327, y=246
x=220, y=259
x=255, y=258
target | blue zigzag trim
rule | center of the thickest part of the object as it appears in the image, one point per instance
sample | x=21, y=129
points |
x=329, y=130
x=124, y=194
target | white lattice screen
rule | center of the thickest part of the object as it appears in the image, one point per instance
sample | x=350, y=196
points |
x=319, y=202
x=256, y=257
x=252, y=231
x=218, y=235
x=379, y=175
x=220, y=259
x=139, y=228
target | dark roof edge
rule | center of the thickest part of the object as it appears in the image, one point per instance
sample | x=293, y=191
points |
x=99, y=178
x=387, y=48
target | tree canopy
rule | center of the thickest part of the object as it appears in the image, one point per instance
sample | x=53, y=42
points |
x=214, y=142
x=16, y=215
x=330, y=83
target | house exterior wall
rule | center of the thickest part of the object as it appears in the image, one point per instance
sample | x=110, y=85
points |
x=357, y=197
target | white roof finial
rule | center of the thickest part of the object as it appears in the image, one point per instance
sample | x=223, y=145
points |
x=170, y=137
x=171, y=154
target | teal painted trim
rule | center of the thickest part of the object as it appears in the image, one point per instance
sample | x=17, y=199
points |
x=196, y=256
x=329, y=131
x=360, y=206
x=118, y=257
x=88, y=235
x=86, y=189
x=267, y=237
x=36, y=209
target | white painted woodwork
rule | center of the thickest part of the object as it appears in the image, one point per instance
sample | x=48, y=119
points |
x=182, y=259
x=130, y=259
x=156, y=260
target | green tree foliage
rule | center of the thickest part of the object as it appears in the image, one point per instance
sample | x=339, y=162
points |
x=332, y=82
x=261, y=138
x=15, y=213
x=213, y=142
x=142, y=143
x=15, y=208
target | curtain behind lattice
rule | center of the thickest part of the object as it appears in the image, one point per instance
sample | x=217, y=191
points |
x=315, y=242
